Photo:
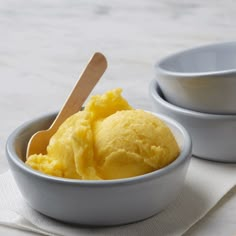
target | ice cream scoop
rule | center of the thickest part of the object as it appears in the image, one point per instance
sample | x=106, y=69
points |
x=88, y=79
x=107, y=140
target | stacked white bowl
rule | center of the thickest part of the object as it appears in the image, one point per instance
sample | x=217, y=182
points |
x=197, y=87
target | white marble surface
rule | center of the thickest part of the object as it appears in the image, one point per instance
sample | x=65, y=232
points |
x=45, y=45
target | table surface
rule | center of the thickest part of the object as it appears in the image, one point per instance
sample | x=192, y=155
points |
x=46, y=44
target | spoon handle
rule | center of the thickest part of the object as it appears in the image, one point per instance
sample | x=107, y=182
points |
x=88, y=79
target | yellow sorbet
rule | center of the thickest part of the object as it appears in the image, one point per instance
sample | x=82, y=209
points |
x=107, y=140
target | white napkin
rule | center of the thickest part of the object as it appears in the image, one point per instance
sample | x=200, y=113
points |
x=206, y=183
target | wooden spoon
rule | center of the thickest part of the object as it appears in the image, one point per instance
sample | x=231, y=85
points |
x=88, y=79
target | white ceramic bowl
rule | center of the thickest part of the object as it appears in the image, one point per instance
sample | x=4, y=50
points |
x=213, y=135
x=110, y=202
x=201, y=79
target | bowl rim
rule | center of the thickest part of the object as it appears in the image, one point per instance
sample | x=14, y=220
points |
x=155, y=90
x=229, y=72
x=184, y=155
